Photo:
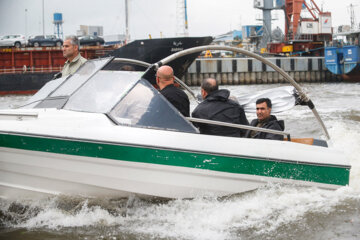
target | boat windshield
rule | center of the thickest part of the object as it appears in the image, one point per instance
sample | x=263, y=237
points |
x=144, y=106
x=86, y=71
x=101, y=92
x=123, y=96
x=44, y=92
x=57, y=92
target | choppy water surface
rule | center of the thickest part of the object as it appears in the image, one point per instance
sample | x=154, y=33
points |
x=272, y=212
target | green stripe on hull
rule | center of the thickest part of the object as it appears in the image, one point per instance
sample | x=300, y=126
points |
x=230, y=164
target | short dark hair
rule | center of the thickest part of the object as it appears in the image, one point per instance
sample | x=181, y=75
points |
x=267, y=100
x=208, y=86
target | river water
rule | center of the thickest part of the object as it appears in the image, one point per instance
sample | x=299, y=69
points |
x=272, y=212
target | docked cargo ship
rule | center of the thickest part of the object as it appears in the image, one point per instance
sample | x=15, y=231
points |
x=342, y=56
x=344, y=59
x=25, y=70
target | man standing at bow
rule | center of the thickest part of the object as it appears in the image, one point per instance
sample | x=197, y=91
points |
x=71, y=52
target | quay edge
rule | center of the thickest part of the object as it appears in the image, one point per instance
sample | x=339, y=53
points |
x=240, y=71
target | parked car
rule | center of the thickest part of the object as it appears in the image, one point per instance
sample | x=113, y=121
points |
x=13, y=40
x=48, y=40
x=91, y=40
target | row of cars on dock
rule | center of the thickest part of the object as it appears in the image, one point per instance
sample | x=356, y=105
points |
x=19, y=40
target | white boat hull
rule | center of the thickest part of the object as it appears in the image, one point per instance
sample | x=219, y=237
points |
x=65, y=174
x=61, y=152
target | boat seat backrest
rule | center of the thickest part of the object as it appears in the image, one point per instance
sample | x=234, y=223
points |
x=309, y=141
x=282, y=124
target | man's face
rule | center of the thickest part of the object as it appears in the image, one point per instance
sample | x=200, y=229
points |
x=262, y=111
x=69, y=50
x=203, y=93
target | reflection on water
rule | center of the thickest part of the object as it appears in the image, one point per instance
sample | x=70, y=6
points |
x=272, y=212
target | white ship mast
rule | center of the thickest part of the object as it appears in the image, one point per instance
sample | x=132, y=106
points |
x=181, y=19
x=127, y=35
x=352, y=17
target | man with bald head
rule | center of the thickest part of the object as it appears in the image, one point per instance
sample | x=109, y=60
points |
x=218, y=107
x=165, y=80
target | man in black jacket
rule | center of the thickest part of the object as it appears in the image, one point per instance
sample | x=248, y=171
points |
x=177, y=97
x=218, y=107
x=265, y=120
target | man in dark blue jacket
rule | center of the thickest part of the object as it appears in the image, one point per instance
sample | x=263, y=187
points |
x=265, y=120
x=218, y=107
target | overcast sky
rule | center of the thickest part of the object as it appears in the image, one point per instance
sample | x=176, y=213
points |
x=205, y=17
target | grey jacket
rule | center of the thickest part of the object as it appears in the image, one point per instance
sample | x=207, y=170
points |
x=73, y=66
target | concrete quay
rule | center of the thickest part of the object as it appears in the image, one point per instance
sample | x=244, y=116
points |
x=239, y=71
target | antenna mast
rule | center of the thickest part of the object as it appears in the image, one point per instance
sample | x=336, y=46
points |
x=352, y=17
x=127, y=35
x=181, y=18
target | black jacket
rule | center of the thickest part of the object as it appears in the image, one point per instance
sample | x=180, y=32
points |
x=218, y=107
x=178, y=98
x=271, y=123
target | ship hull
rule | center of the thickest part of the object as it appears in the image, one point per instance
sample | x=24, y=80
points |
x=23, y=83
x=353, y=76
x=344, y=61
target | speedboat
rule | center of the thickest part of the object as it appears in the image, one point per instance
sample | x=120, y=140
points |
x=111, y=133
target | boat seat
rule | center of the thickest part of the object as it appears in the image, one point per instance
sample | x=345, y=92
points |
x=309, y=141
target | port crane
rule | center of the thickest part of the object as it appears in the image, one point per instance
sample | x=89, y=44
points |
x=304, y=35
